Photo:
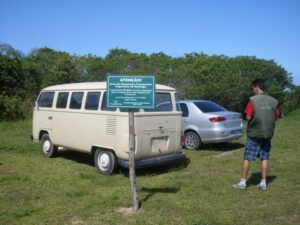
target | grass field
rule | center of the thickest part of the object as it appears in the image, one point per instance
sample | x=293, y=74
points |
x=68, y=190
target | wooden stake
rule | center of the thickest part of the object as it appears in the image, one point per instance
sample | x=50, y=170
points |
x=132, y=176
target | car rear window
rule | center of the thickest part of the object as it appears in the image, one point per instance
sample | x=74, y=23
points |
x=184, y=109
x=207, y=107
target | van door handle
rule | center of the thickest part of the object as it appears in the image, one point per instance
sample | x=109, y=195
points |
x=50, y=118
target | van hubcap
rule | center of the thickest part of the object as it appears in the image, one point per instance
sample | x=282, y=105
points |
x=103, y=161
x=46, y=146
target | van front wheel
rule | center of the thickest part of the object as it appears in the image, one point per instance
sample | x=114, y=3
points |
x=47, y=148
x=105, y=162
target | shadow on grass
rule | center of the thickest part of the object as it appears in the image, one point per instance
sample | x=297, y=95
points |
x=153, y=191
x=159, y=169
x=256, y=177
x=79, y=157
x=87, y=159
x=228, y=146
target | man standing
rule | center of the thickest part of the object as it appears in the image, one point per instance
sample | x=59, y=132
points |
x=261, y=112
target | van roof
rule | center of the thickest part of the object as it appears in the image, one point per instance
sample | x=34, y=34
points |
x=93, y=86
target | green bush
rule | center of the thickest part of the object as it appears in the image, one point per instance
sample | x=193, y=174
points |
x=14, y=108
x=289, y=100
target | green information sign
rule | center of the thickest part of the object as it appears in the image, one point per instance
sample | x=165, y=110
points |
x=131, y=91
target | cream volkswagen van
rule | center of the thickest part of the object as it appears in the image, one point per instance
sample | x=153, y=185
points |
x=75, y=116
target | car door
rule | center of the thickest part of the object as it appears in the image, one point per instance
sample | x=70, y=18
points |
x=185, y=115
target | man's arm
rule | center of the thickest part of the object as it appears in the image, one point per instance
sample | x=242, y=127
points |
x=249, y=111
x=277, y=112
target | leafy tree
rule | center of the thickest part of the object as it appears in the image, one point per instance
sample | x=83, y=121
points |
x=10, y=52
x=91, y=68
x=115, y=60
x=121, y=61
x=12, y=84
x=54, y=67
x=62, y=71
x=11, y=76
x=225, y=80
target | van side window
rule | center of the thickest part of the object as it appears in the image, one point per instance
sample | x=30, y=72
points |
x=46, y=99
x=62, y=100
x=104, y=104
x=185, y=110
x=76, y=100
x=92, y=100
x=163, y=103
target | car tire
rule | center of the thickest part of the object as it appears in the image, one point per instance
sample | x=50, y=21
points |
x=105, y=161
x=47, y=148
x=192, y=140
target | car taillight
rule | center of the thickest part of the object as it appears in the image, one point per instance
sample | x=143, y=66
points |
x=217, y=119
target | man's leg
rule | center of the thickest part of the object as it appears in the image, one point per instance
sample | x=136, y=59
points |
x=264, y=172
x=264, y=155
x=249, y=154
x=245, y=169
x=264, y=169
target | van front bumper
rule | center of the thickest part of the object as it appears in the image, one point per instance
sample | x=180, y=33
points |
x=151, y=162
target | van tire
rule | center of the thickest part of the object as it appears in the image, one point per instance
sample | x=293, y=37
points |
x=105, y=161
x=47, y=148
x=192, y=140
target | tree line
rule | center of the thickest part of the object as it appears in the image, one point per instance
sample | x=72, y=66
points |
x=219, y=78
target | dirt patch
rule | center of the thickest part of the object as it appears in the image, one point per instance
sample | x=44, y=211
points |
x=129, y=211
x=75, y=220
x=228, y=153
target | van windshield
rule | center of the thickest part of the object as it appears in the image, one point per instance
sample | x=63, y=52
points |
x=46, y=99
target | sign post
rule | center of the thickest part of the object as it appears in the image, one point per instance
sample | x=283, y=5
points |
x=134, y=196
x=132, y=92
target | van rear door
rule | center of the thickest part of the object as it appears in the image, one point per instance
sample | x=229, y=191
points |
x=160, y=128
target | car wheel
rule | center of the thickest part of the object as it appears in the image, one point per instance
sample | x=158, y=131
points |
x=192, y=140
x=47, y=148
x=105, y=162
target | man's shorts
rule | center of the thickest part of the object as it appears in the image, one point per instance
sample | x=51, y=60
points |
x=257, y=148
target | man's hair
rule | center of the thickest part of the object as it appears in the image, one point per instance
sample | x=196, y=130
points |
x=259, y=83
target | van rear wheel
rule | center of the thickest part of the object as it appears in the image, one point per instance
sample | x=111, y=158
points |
x=105, y=162
x=47, y=148
x=192, y=140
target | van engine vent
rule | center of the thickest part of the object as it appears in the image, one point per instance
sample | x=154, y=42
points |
x=111, y=123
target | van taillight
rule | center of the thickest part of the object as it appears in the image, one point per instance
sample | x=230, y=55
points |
x=217, y=119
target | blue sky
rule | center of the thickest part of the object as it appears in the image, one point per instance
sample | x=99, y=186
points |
x=268, y=29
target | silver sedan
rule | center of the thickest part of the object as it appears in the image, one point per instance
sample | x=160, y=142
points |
x=207, y=122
